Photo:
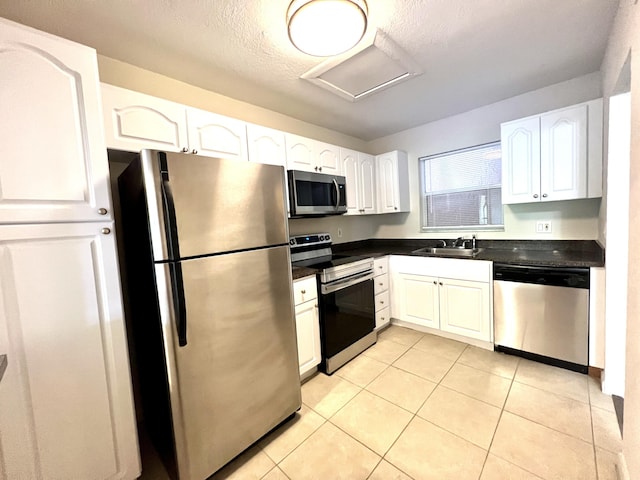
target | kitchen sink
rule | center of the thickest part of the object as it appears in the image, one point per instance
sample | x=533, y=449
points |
x=450, y=251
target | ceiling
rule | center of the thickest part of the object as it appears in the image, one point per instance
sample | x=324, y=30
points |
x=471, y=52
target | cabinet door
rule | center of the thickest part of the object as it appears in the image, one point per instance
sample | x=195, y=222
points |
x=308, y=331
x=417, y=299
x=134, y=121
x=367, y=174
x=387, y=183
x=300, y=153
x=328, y=158
x=53, y=162
x=216, y=136
x=266, y=145
x=465, y=308
x=67, y=404
x=563, y=154
x=521, y=161
x=350, y=171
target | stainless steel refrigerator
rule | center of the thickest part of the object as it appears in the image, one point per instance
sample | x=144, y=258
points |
x=209, y=304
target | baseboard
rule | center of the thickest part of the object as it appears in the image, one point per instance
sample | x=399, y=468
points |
x=621, y=468
x=442, y=333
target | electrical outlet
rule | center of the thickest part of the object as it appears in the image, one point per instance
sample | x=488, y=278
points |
x=543, y=226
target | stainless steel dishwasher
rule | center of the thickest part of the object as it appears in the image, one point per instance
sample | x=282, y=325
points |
x=542, y=313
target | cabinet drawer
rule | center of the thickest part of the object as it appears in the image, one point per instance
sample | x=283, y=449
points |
x=382, y=300
x=381, y=283
x=380, y=265
x=382, y=317
x=304, y=290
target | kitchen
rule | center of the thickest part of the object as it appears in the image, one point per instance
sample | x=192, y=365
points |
x=579, y=220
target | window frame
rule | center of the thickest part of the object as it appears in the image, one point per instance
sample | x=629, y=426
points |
x=460, y=228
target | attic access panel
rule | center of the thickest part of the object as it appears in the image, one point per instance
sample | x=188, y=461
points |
x=378, y=65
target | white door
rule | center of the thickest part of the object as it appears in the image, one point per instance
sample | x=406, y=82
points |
x=300, y=153
x=67, y=409
x=387, y=183
x=53, y=163
x=350, y=171
x=367, y=174
x=563, y=154
x=521, y=161
x=214, y=135
x=134, y=121
x=328, y=158
x=266, y=145
x=418, y=300
x=308, y=332
x=465, y=308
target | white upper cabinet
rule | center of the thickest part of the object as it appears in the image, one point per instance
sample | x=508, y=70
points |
x=563, y=154
x=521, y=161
x=393, y=182
x=360, y=173
x=266, y=145
x=66, y=404
x=553, y=156
x=328, y=158
x=134, y=121
x=311, y=155
x=215, y=135
x=53, y=163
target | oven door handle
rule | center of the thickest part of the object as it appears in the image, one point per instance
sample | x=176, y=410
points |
x=346, y=283
x=335, y=184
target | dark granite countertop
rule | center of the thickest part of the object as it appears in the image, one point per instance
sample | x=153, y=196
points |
x=3, y=365
x=300, y=272
x=555, y=253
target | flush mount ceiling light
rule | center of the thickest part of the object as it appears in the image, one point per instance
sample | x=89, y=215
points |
x=323, y=28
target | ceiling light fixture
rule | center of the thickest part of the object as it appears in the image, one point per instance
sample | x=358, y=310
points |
x=323, y=28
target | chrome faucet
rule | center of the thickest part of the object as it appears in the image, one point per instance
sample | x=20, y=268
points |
x=458, y=242
x=444, y=243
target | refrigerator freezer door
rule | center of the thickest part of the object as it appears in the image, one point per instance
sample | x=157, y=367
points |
x=237, y=377
x=203, y=205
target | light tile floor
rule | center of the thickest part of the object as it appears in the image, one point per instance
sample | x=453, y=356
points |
x=417, y=406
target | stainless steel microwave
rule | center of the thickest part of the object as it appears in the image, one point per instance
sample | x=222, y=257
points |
x=316, y=194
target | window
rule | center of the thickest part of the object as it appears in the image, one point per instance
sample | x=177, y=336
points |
x=462, y=189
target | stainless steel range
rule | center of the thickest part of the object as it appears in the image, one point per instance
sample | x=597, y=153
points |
x=346, y=298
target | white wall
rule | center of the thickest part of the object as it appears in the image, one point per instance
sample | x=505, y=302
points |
x=576, y=219
x=618, y=232
x=624, y=41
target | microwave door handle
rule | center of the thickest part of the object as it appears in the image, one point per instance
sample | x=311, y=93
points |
x=335, y=184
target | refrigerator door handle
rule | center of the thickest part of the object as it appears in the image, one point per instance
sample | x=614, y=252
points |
x=179, y=304
x=171, y=226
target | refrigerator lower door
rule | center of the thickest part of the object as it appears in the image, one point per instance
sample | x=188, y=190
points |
x=237, y=377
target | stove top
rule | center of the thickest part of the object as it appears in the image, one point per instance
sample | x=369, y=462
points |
x=314, y=250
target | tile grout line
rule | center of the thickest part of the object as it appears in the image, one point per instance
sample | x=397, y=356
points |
x=493, y=436
x=414, y=415
x=593, y=435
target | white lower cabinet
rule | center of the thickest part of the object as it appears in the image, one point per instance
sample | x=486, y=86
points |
x=381, y=291
x=465, y=308
x=449, y=295
x=415, y=299
x=66, y=403
x=307, y=324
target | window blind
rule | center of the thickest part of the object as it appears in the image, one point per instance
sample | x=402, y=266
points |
x=462, y=188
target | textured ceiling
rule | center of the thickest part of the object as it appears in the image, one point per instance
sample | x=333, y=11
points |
x=472, y=52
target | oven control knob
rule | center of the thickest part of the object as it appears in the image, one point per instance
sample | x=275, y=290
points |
x=321, y=238
x=292, y=241
x=327, y=238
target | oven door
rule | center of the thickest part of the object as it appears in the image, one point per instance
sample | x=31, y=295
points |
x=316, y=194
x=347, y=313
